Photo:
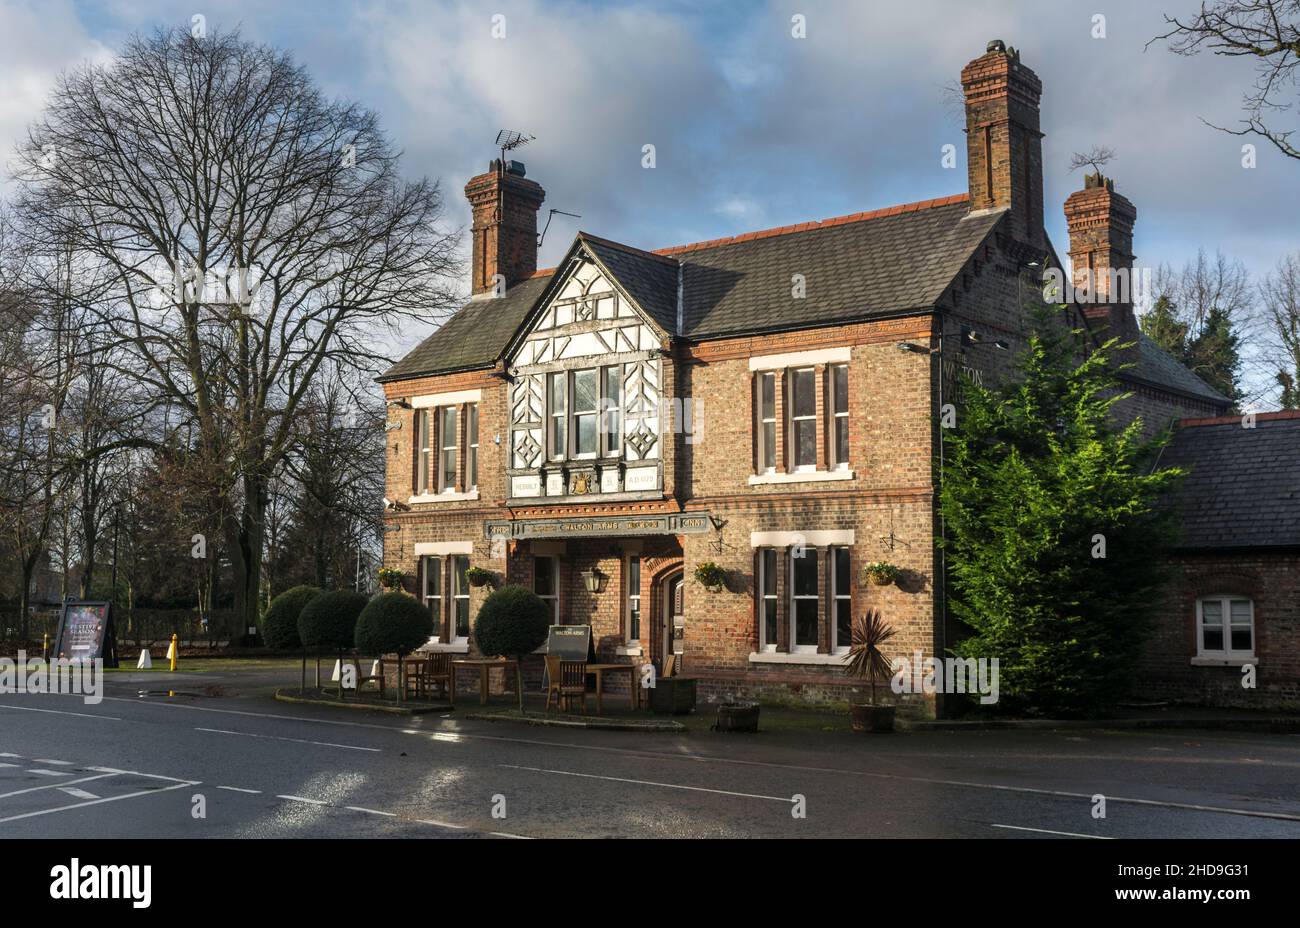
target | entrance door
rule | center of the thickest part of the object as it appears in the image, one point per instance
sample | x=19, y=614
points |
x=672, y=622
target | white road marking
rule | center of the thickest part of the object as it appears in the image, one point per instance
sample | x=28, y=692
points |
x=95, y=802
x=236, y=789
x=708, y=758
x=77, y=793
x=315, y=802
x=697, y=789
x=1048, y=831
x=50, y=773
x=324, y=744
x=429, y=821
x=10, y=765
x=36, y=789
x=371, y=811
x=506, y=834
x=84, y=715
x=56, y=763
x=6, y=754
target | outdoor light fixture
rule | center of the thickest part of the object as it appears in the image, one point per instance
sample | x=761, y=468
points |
x=594, y=580
x=914, y=348
x=398, y=404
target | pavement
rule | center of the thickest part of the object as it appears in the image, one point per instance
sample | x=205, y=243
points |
x=211, y=754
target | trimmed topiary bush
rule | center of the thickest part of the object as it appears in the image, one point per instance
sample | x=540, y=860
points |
x=329, y=621
x=513, y=621
x=392, y=623
x=280, y=623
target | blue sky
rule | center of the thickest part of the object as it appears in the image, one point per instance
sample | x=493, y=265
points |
x=752, y=127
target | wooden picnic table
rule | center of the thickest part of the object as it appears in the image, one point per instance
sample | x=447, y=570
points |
x=484, y=665
x=601, y=669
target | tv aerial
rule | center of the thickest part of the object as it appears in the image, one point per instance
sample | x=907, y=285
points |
x=549, y=217
x=508, y=140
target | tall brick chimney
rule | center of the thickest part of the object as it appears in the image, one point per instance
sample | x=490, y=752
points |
x=1101, y=254
x=505, y=205
x=1004, y=150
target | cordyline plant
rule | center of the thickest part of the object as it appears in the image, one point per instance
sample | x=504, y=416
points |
x=1054, y=525
x=865, y=658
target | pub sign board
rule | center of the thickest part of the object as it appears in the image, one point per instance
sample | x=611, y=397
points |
x=85, y=633
x=683, y=523
x=569, y=643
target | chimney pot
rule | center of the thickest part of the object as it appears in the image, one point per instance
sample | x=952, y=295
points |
x=504, y=204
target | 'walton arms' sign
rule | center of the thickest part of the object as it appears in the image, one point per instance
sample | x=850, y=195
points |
x=601, y=526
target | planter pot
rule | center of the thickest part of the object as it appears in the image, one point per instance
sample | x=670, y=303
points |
x=737, y=717
x=479, y=579
x=673, y=696
x=869, y=718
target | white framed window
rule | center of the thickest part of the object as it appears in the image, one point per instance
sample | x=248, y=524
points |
x=433, y=590
x=841, y=600
x=634, y=599
x=840, y=417
x=586, y=412
x=803, y=418
x=423, y=450
x=767, y=602
x=557, y=399
x=546, y=584
x=1225, y=627
x=471, y=441
x=611, y=407
x=766, y=405
x=459, y=598
x=804, y=600
x=447, y=449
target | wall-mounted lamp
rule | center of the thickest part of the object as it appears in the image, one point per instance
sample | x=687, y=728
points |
x=398, y=404
x=594, y=580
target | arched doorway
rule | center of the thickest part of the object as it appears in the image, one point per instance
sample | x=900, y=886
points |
x=670, y=621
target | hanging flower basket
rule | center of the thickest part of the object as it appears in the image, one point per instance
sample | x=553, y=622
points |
x=881, y=573
x=478, y=576
x=390, y=578
x=710, y=576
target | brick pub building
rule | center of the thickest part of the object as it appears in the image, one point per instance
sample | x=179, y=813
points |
x=768, y=402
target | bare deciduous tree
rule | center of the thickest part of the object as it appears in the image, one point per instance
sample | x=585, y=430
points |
x=252, y=229
x=1266, y=32
x=1280, y=297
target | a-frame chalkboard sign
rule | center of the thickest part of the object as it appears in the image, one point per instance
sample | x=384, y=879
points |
x=86, y=632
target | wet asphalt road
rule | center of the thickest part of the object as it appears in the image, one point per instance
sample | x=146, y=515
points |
x=146, y=766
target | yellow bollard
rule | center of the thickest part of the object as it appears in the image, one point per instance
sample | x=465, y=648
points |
x=171, y=652
x=45, y=646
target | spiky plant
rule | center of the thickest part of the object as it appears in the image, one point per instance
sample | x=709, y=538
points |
x=865, y=658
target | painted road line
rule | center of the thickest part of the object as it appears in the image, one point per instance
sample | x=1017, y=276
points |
x=236, y=789
x=314, y=802
x=49, y=773
x=53, y=763
x=84, y=715
x=10, y=765
x=36, y=789
x=697, y=789
x=429, y=821
x=371, y=811
x=95, y=802
x=506, y=834
x=77, y=793
x=19, y=756
x=324, y=744
x=1048, y=831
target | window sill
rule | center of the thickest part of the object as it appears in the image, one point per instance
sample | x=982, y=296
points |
x=632, y=650
x=443, y=497
x=433, y=646
x=805, y=476
x=775, y=657
x=1203, y=661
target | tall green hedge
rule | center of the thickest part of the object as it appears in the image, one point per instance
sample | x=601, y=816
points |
x=329, y=621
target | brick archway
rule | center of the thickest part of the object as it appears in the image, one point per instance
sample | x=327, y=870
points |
x=660, y=570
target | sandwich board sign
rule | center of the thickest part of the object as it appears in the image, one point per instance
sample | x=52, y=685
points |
x=85, y=633
x=569, y=643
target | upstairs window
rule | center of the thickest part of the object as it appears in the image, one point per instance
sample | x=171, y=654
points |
x=611, y=401
x=423, y=450
x=447, y=449
x=766, y=422
x=585, y=413
x=557, y=396
x=803, y=418
x=840, y=416
x=471, y=440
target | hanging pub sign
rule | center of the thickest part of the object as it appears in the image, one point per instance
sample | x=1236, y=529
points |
x=85, y=633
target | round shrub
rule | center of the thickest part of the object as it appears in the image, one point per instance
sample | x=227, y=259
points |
x=280, y=623
x=393, y=623
x=329, y=621
x=513, y=621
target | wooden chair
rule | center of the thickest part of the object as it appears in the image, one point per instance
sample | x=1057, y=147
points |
x=564, y=680
x=363, y=678
x=433, y=673
x=670, y=665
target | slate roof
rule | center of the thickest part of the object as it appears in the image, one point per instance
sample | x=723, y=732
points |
x=1243, y=489
x=854, y=267
x=1155, y=365
x=475, y=336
